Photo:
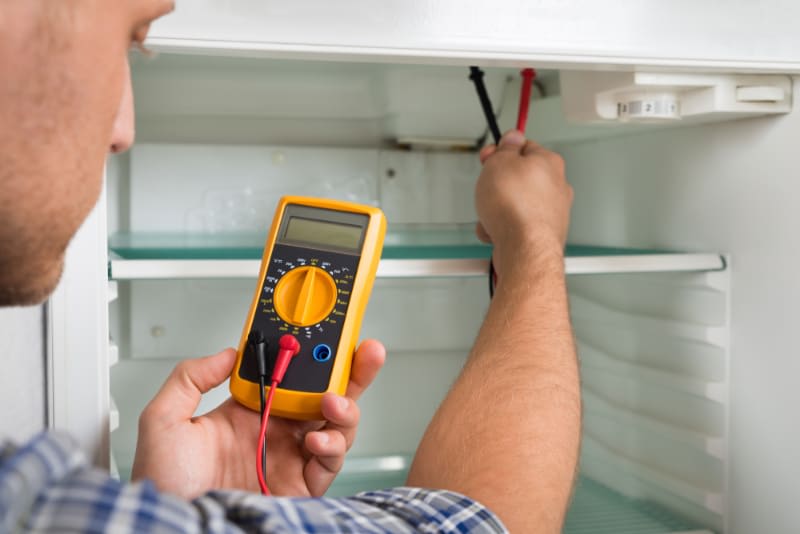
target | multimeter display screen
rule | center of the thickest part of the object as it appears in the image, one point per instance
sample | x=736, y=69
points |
x=324, y=233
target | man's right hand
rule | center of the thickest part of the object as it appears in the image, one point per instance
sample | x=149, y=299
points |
x=523, y=200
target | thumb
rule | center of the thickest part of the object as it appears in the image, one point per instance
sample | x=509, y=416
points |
x=512, y=141
x=178, y=398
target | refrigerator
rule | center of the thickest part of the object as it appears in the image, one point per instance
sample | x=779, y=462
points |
x=678, y=127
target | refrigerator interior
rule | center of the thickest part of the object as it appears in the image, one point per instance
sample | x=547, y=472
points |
x=220, y=139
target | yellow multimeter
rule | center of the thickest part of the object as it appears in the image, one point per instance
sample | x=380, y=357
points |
x=319, y=264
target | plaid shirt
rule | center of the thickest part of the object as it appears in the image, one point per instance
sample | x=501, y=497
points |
x=48, y=486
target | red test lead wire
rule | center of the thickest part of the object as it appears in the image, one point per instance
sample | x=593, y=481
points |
x=262, y=436
x=525, y=98
x=289, y=347
x=528, y=76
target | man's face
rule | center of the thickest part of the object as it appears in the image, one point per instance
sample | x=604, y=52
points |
x=65, y=102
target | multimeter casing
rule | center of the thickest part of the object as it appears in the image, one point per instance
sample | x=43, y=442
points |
x=346, y=274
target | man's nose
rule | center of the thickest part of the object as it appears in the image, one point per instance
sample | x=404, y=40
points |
x=123, y=131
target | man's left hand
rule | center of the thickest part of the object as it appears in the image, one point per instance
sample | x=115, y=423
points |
x=188, y=455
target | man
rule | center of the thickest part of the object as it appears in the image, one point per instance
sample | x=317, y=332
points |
x=506, y=436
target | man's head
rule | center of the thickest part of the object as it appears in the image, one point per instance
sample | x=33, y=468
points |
x=65, y=102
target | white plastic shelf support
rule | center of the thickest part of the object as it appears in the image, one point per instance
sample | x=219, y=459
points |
x=113, y=416
x=113, y=469
x=122, y=269
x=113, y=291
x=113, y=353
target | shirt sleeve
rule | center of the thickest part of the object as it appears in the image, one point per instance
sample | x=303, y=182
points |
x=47, y=486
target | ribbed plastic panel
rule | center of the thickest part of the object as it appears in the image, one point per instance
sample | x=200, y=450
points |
x=654, y=359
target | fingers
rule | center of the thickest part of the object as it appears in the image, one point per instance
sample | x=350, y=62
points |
x=180, y=395
x=486, y=152
x=367, y=361
x=341, y=415
x=328, y=449
x=531, y=147
x=480, y=231
x=512, y=141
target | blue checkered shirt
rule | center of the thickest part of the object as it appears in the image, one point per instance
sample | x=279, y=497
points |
x=47, y=486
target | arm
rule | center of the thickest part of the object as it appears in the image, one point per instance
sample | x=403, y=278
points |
x=507, y=434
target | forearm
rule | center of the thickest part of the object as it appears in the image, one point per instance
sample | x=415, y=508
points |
x=508, y=432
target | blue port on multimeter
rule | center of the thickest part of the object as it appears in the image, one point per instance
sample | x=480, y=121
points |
x=321, y=353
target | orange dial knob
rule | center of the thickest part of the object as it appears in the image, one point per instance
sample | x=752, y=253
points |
x=305, y=296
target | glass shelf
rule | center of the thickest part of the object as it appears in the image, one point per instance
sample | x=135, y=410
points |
x=407, y=242
x=178, y=246
x=409, y=251
x=595, y=508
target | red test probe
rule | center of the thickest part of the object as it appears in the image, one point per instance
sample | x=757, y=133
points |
x=528, y=75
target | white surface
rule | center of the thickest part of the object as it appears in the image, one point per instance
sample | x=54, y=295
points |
x=22, y=380
x=172, y=319
x=78, y=335
x=113, y=291
x=113, y=416
x=308, y=102
x=208, y=269
x=731, y=187
x=235, y=188
x=649, y=32
x=218, y=188
x=113, y=354
x=200, y=99
x=594, y=96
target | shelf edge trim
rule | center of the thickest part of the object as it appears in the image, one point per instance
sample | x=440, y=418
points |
x=121, y=269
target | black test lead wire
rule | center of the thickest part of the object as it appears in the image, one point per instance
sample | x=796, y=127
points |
x=260, y=347
x=476, y=75
x=289, y=347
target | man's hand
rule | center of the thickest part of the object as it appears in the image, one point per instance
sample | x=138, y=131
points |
x=522, y=199
x=189, y=455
